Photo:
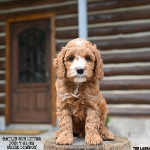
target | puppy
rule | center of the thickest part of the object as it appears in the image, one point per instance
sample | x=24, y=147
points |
x=80, y=106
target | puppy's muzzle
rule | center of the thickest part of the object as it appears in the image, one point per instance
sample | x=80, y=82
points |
x=80, y=70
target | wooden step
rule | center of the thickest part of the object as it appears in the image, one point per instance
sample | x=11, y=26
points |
x=127, y=98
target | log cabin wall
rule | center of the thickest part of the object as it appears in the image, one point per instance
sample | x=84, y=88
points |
x=120, y=28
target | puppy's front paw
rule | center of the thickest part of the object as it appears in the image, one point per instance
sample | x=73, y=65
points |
x=65, y=139
x=57, y=134
x=93, y=139
x=107, y=135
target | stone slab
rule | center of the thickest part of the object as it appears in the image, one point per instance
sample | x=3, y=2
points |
x=119, y=143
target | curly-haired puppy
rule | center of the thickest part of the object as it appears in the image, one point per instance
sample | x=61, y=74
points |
x=80, y=106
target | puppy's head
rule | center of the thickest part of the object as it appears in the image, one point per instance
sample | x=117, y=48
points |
x=79, y=61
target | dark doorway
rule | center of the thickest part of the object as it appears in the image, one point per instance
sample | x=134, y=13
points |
x=30, y=97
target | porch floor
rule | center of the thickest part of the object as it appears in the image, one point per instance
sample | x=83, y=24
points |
x=135, y=129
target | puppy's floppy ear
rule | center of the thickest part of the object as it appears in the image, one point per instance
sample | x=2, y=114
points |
x=98, y=64
x=59, y=64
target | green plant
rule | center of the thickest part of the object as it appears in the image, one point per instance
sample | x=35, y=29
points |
x=107, y=120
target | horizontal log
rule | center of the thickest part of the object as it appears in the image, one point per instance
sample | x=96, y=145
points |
x=27, y=3
x=2, y=87
x=126, y=57
x=59, y=46
x=66, y=22
x=92, y=19
x=119, y=29
x=111, y=4
x=67, y=9
x=4, y=17
x=142, y=70
x=2, y=111
x=2, y=65
x=125, y=84
x=107, y=17
x=70, y=9
x=100, y=31
x=2, y=40
x=123, y=43
x=68, y=34
x=119, y=16
x=2, y=28
x=127, y=98
x=2, y=52
x=129, y=111
x=2, y=99
x=101, y=5
x=63, y=10
x=2, y=76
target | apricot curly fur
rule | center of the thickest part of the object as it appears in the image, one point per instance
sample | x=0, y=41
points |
x=80, y=106
x=59, y=64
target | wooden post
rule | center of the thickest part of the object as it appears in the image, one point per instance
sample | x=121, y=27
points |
x=119, y=143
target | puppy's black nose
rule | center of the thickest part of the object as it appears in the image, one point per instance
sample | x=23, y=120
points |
x=80, y=70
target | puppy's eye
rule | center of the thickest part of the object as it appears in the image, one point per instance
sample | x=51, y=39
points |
x=71, y=58
x=87, y=58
